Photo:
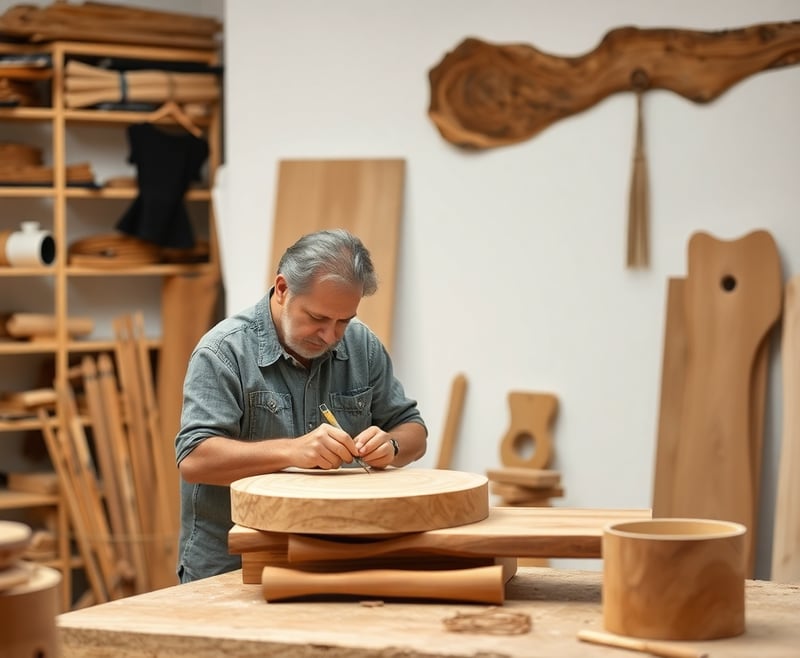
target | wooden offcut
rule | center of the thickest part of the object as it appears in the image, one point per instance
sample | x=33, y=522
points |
x=528, y=441
x=351, y=502
x=362, y=196
x=786, y=534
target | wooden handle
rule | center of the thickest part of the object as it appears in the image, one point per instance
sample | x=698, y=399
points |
x=664, y=649
x=479, y=585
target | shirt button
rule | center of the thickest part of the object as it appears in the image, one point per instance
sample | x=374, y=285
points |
x=311, y=426
x=361, y=404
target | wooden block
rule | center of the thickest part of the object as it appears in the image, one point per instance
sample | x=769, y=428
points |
x=45, y=482
x=516, y=495
x=533, y=478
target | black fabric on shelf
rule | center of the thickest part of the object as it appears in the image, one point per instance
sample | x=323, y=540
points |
x=166, y=165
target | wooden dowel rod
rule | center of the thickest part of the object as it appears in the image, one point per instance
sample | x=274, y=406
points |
x=665, y=649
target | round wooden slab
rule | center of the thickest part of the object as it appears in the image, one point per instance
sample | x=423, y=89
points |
x=349, y=501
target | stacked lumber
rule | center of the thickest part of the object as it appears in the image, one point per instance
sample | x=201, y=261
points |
x=22, y=164
x=112, y=469
x=86, y=85
x=106, y=23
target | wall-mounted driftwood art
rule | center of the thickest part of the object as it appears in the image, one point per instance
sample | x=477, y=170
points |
x=486, y=95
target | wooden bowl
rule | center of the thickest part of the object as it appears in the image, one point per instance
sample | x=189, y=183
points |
x=674, y=579
x=14, y=539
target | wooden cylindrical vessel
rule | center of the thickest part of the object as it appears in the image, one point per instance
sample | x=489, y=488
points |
x=674, y=579
x=28, y=612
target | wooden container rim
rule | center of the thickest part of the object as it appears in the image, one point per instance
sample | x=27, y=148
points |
x=676, y=529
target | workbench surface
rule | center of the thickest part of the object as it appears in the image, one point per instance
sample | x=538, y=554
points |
x=221, y=617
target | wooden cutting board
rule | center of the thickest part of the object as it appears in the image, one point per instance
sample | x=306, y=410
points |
x=505, y=532
x=732, y=298
x=786, y=538
x=349, y=501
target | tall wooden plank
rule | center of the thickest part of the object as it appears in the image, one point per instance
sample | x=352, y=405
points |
x=362, y=196
x=786, y=539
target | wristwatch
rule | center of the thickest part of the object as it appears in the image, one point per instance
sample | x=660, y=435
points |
x=395, y=445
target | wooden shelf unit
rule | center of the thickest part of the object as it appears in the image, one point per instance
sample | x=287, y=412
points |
x=62, y=348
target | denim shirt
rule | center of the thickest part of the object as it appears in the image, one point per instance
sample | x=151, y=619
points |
x=241, y=383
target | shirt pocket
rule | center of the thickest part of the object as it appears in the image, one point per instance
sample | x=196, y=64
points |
x=270, y=415
x=353, y=409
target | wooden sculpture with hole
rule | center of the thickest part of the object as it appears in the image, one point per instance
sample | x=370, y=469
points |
x=526, y=452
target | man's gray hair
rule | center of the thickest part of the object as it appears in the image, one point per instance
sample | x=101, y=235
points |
x=332, y=255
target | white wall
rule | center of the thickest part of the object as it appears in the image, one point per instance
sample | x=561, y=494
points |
x=512, y=260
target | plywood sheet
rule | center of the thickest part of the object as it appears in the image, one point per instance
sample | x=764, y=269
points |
x=362, y=196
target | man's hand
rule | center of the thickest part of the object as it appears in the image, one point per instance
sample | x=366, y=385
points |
x=325, y=447
x=375, y=447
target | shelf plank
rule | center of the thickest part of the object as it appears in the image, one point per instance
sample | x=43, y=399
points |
x=27, y=191
x=127, y=193
x=141, y=270
x=20, y=499
x=27, y=113
x=27, y=346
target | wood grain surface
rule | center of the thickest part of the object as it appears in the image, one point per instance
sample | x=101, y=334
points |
x=479, y=585
x=363, y=196
x=674, y=579
x=14, y=539
x=732, y=296
x=786, y=538
x=351, y=502
x=528, y=442
x=221, y=616
x=506, y=532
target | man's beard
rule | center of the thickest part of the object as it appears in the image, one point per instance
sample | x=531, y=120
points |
x=301, y=348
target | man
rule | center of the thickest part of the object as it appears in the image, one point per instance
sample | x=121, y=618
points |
x=255, y=382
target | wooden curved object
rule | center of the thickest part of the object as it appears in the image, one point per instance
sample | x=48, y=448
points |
x=531, y=417
x=458, y=392
x=349, y=501
x=485, y=95
x=480, y=584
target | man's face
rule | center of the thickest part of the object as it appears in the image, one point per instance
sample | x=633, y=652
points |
x=313, y=323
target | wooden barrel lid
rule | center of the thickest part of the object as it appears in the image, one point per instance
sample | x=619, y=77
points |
x=14, y=539
x=349, y=501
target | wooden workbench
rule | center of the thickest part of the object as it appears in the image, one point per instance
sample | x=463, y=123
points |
x=220, y=616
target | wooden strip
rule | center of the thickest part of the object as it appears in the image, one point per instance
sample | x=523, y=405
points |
x=786, y=538
x=124, y=471
x=673, y=374
x=107, y=470
x=80, y=462
x=458, y=392
x=69, y=489
x=528, y=442
x=167, y=521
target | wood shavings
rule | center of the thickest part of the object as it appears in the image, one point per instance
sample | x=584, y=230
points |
x=492, y=621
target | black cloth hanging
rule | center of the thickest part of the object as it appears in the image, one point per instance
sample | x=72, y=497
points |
x=166, y=164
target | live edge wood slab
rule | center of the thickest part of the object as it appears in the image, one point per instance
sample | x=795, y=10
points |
x=220, y=616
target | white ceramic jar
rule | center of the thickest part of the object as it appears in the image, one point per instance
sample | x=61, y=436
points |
x=30, y=246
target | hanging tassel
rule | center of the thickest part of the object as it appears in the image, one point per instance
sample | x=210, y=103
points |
x=639, y=202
